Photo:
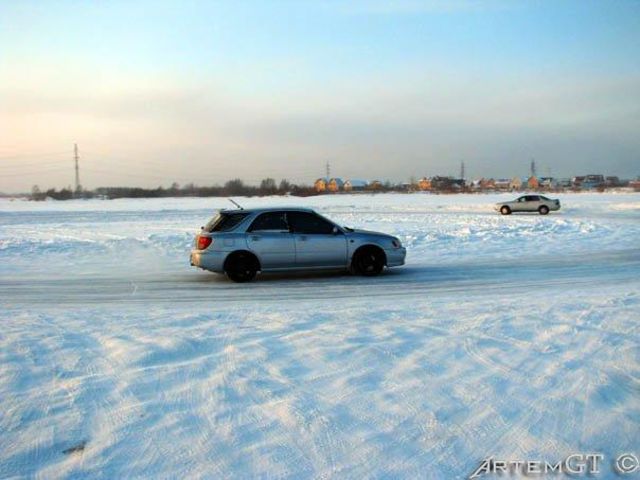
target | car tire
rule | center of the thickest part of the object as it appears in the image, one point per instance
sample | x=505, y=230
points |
x=504, y=210
x=543, y=210
x=241, y=267
x=368, y=261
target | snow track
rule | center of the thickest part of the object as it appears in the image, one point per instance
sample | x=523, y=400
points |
x=499, y=277
x=516, y=337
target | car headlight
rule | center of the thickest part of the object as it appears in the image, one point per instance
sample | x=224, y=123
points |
x=396, y=243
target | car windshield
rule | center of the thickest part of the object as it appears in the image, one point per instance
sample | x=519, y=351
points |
x=223, y=222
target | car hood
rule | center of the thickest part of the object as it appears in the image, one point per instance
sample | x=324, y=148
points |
x=357, y=231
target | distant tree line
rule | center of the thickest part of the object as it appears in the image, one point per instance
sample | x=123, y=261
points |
x=268, y=186
x=64, y=194
x=232, y=188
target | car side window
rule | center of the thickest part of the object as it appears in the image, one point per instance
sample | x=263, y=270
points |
x=272, y=221
x=534, y=198
x=310, y=223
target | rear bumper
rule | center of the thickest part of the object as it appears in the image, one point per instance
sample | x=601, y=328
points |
x=208, y=260
x=396, y=256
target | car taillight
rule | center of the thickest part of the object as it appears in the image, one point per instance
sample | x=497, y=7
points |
x=204, y=242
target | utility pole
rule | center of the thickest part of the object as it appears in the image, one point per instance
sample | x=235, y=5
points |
x=533, y=167
x=76, y=158
x=461, y=170
x=328, y=170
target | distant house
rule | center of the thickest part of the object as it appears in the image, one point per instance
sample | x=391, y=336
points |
x=458, y=184
x=487, y=184
x=533, y=183
x=353, y=185
x=503, y=184
x=447, y=184
x=320, y=184
x=548, y=183
x=635, y=184
x=577, y=181
x=424, y=184
x=374, y=185
x=613, y=182
x=475, y=185
x=593, y=181
x=515, y=184
x=335, y=185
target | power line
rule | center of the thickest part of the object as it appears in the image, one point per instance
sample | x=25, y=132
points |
x=37, y=172
x=33, y=155
x=30, y=166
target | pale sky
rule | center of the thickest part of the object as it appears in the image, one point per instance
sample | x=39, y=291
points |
x=193, y=91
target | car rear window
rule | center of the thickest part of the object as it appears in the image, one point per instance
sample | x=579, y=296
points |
x=223, y=222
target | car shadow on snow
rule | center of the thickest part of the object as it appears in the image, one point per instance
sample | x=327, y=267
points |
x=417, y=274
x=491, y=271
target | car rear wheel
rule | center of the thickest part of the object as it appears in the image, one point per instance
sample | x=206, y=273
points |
x=543, y=210
x=368, y=261
x=505, y=210
x=241, y=267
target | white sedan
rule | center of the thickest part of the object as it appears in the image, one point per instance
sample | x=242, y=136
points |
x=529, y=203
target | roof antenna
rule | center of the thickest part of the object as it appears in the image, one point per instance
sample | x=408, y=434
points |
x=235, y=203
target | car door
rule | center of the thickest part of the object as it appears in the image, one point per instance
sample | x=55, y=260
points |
x=532, y=203
x=520, y=205
x=269, y=238
x=318, y=242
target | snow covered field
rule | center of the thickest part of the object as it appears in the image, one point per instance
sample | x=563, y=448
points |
x=516, y=337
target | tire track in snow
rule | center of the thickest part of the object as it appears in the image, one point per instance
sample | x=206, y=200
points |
x=471, y=279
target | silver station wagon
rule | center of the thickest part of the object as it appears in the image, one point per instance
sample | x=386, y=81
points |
x=529, y=203
x=241, y=243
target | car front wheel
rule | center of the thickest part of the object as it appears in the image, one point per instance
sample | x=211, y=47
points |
x=505, y=210
x=543, y=210
x=368, y=261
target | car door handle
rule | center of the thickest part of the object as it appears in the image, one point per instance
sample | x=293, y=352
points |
x=302, y=238
x=255, y=238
